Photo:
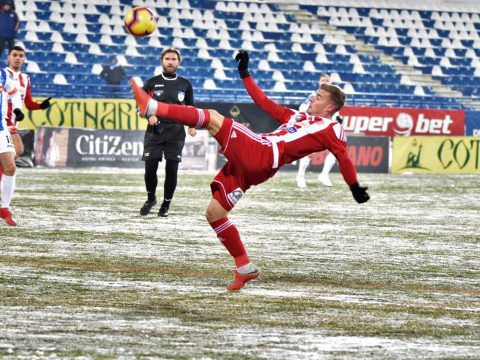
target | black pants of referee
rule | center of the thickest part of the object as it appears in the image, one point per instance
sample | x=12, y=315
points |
x=151, y=179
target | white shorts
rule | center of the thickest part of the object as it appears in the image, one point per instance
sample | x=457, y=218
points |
x=6, y=143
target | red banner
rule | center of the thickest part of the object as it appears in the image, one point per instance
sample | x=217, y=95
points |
x=382, y=121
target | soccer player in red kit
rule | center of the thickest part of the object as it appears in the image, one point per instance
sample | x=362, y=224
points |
x=16, y=59
x=7, y=150
x=254, y=158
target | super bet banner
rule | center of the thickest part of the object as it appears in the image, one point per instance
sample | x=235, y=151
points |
x=436, y=154
x=100, y=114
x=387, y=121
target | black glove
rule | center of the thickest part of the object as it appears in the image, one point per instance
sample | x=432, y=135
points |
x=242, y=58
x=18, y=115
x=45, y=104
x=360, y=193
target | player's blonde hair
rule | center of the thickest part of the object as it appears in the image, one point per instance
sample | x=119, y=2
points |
x=336, y=95
x=171, y=50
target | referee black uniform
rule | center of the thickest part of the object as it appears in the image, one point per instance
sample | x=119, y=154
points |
x=166, y=139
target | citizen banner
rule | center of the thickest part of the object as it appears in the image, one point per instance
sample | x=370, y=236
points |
x=72, y=147
x=382, y=121
x=436, y=154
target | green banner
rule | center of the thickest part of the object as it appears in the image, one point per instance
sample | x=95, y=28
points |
x=436, y=154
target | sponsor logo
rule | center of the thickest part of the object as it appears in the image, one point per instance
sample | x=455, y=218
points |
x=234, y=135
x=235, y=195
x=403, y=124
x=291, y=130
x=234, y=111
x=157, y=93
x=460, y=153
x=300, y=116
x=107, y=145
x=181, y=95
x=414, y=158
x=433, y=126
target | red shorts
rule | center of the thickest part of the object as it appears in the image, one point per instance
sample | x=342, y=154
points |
x=250, y=160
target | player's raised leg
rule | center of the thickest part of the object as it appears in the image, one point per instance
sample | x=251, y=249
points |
x=187, y=115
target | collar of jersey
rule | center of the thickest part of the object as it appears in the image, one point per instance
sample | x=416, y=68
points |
x=13, y=71
x=169, y=78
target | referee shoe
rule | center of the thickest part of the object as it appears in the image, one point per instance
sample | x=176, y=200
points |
x=145, y=210
x=163, y=212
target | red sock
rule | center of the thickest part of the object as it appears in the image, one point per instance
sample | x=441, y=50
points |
x=228, y=234
x=188, y=115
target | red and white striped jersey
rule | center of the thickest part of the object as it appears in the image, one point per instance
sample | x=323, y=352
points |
x=301, y=134
x=8, y=91
x=304, y=134
x=22, y=83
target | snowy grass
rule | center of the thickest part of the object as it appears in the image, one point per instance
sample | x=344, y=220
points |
x=85, y=276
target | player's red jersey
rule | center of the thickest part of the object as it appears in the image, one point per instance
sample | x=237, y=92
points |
x=22, y=83
x=302, y=134
x=254, y=158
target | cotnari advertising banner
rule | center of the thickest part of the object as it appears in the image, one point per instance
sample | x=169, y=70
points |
x=380, y=121
x=436, y=154
x=100, y=114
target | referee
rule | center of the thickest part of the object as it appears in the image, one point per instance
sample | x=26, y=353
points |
x=165, y=138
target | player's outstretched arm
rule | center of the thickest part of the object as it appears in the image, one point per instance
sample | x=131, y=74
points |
x=349, y=173
x=278, y=112
x=339, y=148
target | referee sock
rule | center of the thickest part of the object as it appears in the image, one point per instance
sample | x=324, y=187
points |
x=187, y=115
x=228, y=234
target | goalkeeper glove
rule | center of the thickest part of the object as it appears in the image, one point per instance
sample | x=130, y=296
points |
x=242, y=58
x=18, y=114
x=360, y=193
x=45, y=104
